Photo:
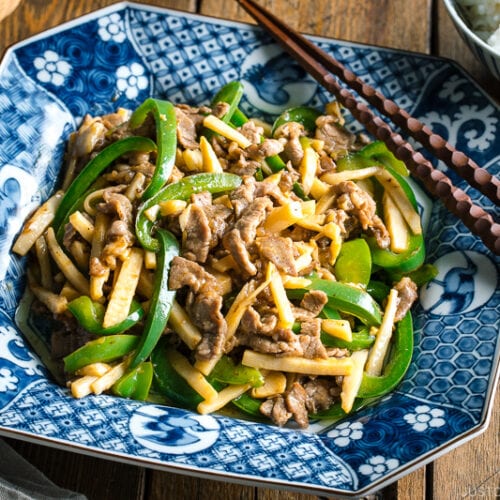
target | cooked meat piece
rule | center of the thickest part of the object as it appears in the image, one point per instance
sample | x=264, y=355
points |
x=119, y=239
x=97, y=267
x=275, y=409
x=220, y=109
x=252, y=217
x=244, y=231
x=252, y=323
x=310, y=341
x=116, y=204
x=196, y=233
x=252, y=132
x=353, y=200
x=271, y=345
x=407, y=295
x=243, y=195
x=205, y=312
x=287, y=180
x=203, y=304
x=321, y=393
x=335, y=137
x=69, y=235
x=295, y=401
x=337, y=352
x=184, y=272
x=269, y=147
x=291, y=132
x=235, y=245
x=186, y=130
x=314, y=301
x=280, y=251
x=326, y=164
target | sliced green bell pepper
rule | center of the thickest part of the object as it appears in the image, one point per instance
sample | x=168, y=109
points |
x=231, y=94
x=379, y=152
x=249, y=405
x=169, y=383
x=181, y=190
x=166, y=139
x=90, y=315
x=360, y=340
x=354, y=262
x=227, y=372
x=101, y=350
x=397, y=365
x=94, y=168
x=136, y=383
x=304, y=115
x=161, y=301
x=345, y=298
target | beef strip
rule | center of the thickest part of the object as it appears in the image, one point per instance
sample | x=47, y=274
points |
x=276, y=410
x=203, y=304
x=359, y=204
x=290, y=133
x=295, y=400
x=237, y=240
x=314, y=301
x=196, y=233
x=321, y=393
x=407, y=295
x=310, y=340
x=335, y=137
x=280, y=251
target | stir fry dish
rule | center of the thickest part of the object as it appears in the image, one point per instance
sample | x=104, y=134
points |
x=213, y=260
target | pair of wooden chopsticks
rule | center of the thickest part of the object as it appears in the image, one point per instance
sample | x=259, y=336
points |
x=325, y=69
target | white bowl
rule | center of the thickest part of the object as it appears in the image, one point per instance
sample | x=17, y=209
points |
x=484, y=52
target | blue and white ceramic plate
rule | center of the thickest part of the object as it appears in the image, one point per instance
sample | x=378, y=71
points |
x=119, y=56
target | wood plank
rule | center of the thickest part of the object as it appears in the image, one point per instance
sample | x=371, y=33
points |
x=473, y=469
x=165, y=485
x=365, y=22
x=94, y=477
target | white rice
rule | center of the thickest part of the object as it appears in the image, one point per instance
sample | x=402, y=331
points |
x=484, y=19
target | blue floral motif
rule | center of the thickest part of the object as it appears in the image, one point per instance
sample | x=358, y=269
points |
x=378, y=466
x=111, y=28
x=425, y=417
x=131, y=80
x=51, y=68
x=346, y=432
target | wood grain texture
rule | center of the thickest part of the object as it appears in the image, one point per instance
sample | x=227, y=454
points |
x=417, y=25
x=473, y=469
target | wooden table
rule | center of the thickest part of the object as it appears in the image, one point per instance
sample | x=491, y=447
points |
x=472, y=470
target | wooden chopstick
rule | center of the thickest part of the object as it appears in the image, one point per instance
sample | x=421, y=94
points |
x=436, y=182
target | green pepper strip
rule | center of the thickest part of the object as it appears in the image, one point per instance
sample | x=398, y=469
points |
x=231, y=94
x=166, y=138
x=379, y=152
x=345, y=298
x=161, y=300
x=301, y=114
x=136, y=383
x=94, y=168
x=168, y=382
x=360, y=340
x=396, y=366
x=181, y=190
x=90, y=315
x=354, y=262
x=101, y=350
x=227, y=372
x=414, y=256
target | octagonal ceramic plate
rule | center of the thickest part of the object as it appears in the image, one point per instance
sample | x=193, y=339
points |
x=119, y=56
